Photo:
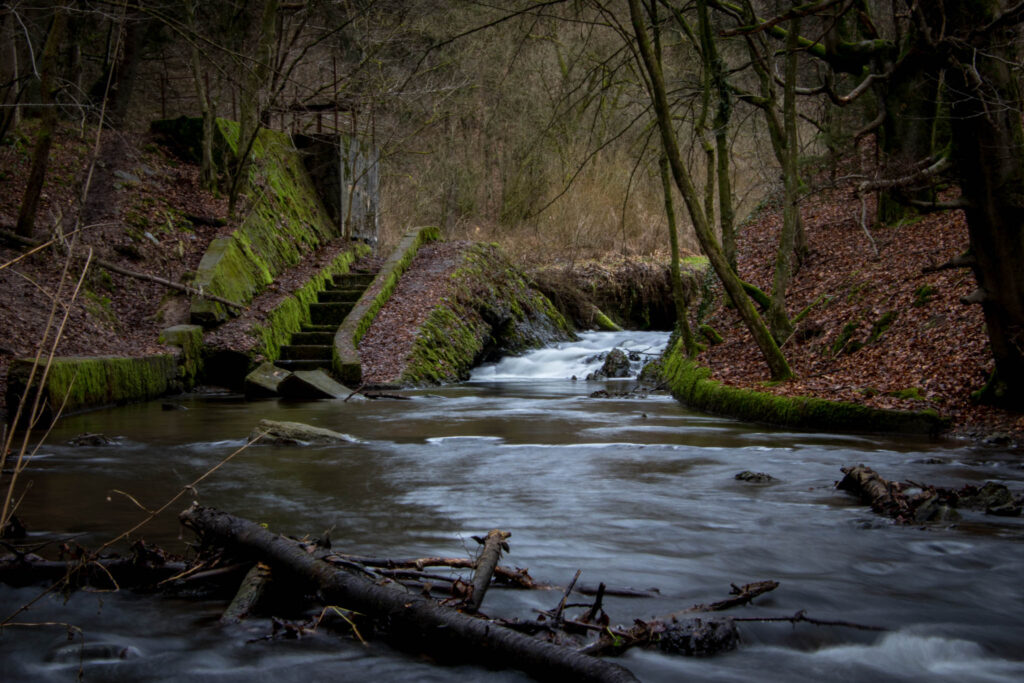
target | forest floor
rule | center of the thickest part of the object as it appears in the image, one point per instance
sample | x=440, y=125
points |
x=933, y=353
x=881, y=328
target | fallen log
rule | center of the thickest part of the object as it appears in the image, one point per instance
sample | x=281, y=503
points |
x=409, y=621
x=105, y=573
x=917, y=503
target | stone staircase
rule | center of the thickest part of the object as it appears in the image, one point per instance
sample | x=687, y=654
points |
x=313, y=346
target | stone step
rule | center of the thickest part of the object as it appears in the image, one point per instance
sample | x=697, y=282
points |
x=295, y=365
x=319, y=328
x=340, y=296
x=353, y=279
x=303, y=338
x=329, y=313
x=306, y=352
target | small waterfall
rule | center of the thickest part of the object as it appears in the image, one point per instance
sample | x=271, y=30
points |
x=578, y=359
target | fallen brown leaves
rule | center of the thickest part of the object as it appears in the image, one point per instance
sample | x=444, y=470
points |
x=388, y=343
x=934, y=353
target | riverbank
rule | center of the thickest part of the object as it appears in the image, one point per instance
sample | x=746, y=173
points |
x=875, y=325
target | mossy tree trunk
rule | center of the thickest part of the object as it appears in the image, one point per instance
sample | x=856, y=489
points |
x=250, y=99
x=777, y=364
x=717, y=81
x=678, y=296
x=208, y=166
x=44, y=140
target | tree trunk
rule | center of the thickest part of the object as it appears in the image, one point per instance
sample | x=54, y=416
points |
x=988, y=139
x=44, y=140
x=777, y=364
x=250, y=100
x=778, y=319
x=207, y=167
x=411, y=621
x=678, y=297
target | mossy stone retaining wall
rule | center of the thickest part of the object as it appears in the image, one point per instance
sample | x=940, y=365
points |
x=94, y=382
x=346, y=364
x=285, y=221
x=690, y=383
x=490, y=309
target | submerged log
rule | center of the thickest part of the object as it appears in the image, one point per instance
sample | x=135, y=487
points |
x=915, y=503
x=249, y=594
x=408, y=620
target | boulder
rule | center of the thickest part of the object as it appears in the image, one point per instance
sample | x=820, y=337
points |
x=295, y=433
x=616, y=364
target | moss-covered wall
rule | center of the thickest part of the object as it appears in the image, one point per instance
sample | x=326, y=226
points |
x=346, y=363
x=284, y=221
x=84, y=383
x=690, y=383
x=489, y=309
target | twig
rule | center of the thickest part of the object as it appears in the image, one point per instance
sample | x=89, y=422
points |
x=565, y=596
x=802, y=617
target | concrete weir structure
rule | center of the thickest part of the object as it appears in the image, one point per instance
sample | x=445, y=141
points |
x=303, y=192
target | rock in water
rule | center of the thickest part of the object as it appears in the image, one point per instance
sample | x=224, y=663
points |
x=616, y=364
x=294, y=433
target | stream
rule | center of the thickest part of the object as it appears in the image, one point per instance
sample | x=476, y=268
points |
x=636, y=492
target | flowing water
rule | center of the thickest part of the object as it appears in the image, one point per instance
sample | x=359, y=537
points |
x=636, y=492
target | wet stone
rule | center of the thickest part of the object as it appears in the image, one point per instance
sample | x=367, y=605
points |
x=754, y=477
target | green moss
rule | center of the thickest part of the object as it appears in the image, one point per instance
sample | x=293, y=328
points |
x=880, y=327
x=690, y=383
x=605, y=323
x=188, y=338
x=711, y=334
x=843, y=341
x=490, y=309
x=285, y=222
x=291, y=314
x=923, y=295
x=912, y=393
x=84, y=383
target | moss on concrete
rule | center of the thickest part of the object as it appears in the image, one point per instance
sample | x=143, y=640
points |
x=284, y=222
x=189, y=339
x=346, y=364
x=490, y=309
x=291, y=314
x=85, y=383
x=690, y=383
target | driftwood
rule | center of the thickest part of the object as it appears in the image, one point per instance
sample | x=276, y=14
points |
x=181, y=287
x=511, y=577
x=496, y=541
x=249, y=594
x=406, y=619
x=145, y=567
x=910, y=503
